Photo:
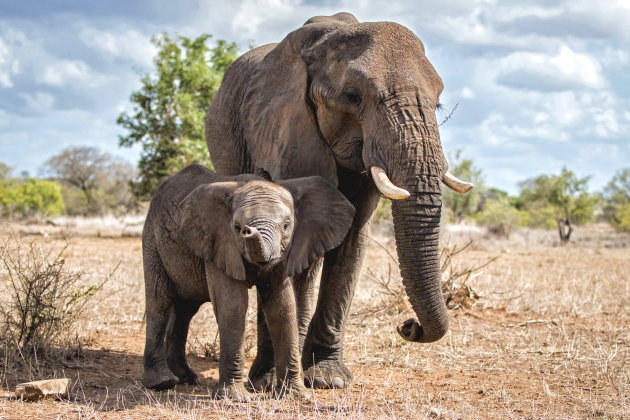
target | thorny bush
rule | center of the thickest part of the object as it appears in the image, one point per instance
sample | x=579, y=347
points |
x=41, y=297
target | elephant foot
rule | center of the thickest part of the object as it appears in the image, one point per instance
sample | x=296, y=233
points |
x=159, y=379
x=187, y=376
x=262, y=374
x=325, y=369
x=233, y=391
x=293, y=389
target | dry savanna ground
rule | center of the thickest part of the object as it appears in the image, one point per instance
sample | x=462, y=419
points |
x=545, y=335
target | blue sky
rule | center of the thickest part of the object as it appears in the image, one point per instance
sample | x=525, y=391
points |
x=540, y=84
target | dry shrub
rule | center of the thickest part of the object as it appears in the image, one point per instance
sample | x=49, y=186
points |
x=457, y=291
x=42, y=298
x=456, y=277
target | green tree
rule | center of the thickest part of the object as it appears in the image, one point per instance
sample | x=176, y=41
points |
x=5, y=171
x=617, y=200
x=501, y=217
x=169, y=109
x=33, y=197
x=464, y=205
x=94, y=182
x=5, y=187
x=562, y=197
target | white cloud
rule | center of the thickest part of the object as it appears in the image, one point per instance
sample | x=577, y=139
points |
x=62, y=73
x=610, y=17
x=565, y=70
x=9, y=65
x=541, y=84
x=127, y=44
x=606, y=123
x=39, y=101
x=467, y=93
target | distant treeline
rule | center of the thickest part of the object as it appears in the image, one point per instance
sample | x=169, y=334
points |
x=78, y=181
x=546, y=201
x=167, y=122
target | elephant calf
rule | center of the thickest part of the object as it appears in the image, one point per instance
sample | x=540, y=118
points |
x=209, y=238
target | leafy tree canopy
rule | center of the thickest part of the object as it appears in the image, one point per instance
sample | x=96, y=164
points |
x=564, y=197
x=93, y=181
x=28, y=197
x=169, y=109
x=618, y=189
x=617, y=200
x=464, y=205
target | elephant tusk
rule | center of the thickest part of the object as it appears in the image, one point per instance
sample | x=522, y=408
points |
x=386, y=186
x=456, y=184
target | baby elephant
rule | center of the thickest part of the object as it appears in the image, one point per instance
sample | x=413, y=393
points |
x=209, y=238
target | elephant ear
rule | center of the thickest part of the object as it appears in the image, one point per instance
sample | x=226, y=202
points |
x=323, y=217
x=206, y=226
x=281, y=130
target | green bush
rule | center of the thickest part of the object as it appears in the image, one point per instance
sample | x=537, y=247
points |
x=32, y=197
x=542, y=217
x=501, y=218
x=74, y=199
x=621, y=218
x=383, y=211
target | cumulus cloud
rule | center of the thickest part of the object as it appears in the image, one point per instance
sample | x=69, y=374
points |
x=565, y=70
x=467, y=93
x=125, y=44
x=9, y=65
x=39, y=101
x=540, y=84
x=61, y=73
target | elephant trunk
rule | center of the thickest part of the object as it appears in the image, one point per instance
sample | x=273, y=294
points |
x=416, y=225
x=254, y=245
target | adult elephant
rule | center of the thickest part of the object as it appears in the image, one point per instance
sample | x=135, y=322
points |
x=354, y=103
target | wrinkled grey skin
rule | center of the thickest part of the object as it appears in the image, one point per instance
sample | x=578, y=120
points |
x=208, y=238
x=334, y=98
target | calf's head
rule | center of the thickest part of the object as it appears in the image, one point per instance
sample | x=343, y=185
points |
x=264, y=223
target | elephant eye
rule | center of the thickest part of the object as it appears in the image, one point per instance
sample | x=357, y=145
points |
x=237, y=227
x=352, y=96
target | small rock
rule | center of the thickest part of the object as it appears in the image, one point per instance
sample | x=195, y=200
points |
x=49, y=388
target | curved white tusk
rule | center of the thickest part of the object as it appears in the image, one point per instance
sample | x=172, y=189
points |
x=386, y=186
x=456, y=184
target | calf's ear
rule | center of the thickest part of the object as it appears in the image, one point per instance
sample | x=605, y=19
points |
x=323, y=217
x=206, y=226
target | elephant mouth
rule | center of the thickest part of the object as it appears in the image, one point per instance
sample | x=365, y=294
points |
x=267, y=265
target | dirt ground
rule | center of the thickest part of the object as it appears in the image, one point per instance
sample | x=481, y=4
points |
x=546, y=335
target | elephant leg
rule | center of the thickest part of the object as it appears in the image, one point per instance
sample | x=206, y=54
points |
x=176, y=335
x=278, y=302
x=304, y=289
x=262, y=372
x=322, y=358
x=229, y=299
x=159, y=307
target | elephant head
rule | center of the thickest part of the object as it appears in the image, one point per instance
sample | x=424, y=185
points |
x=362, y=96
x=264, y=223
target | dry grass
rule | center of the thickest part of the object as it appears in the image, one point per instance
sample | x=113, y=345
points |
x=547, y=337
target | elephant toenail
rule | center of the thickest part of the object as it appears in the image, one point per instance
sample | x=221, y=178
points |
x=337, y=382
x=319, y=383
